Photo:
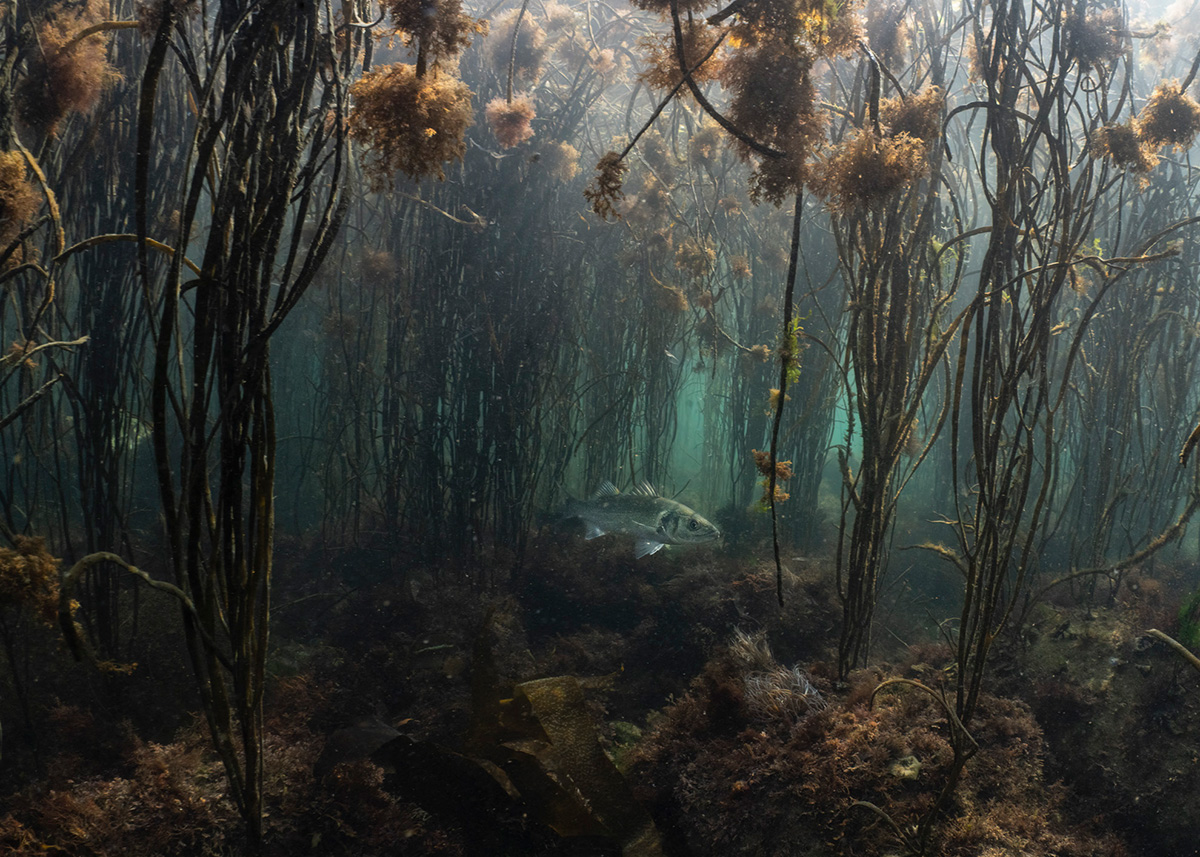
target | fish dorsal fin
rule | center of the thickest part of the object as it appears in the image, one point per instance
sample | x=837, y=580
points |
x=644, y=489
x=606, y=489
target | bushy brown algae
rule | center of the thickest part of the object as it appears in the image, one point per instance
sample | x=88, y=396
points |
x=169, y=800
x=1096, y=39
x=605, y=190
x=29, y=579
x=409, y=124
x=532, y=49
x=510, y=120
x=865, y=170
x=1122, y=144
x=662, y=72
x=67, y=73
x=440, y=26
x=1170, y=117
x=18, y=199
x=725, y=780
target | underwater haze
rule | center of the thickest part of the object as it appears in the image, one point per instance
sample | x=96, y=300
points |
x=665, y=427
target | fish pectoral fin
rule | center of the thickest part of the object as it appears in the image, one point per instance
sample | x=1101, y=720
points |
x=645, y=547
x=593, y=532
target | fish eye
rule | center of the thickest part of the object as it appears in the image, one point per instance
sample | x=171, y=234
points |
x=693, y=524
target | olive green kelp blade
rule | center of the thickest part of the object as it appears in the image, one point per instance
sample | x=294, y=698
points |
x=575, y=765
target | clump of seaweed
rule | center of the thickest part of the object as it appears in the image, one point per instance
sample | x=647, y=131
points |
x=704, y=146
x=1121, y=144
x=866, y=170
x=18, y=199
x=560, y=160
x=410, y=124
x=558, y=17
x=171, y=799
x=765, y=465
x=662, y=70
x=774, y=103
x=695, y=258
x=663, y=7
x=531, y=50
x=658, y=158
x=1157, y=47
x=604, y=62
x=170, y=802
x=833, y=28
x=887, y=31
x=605, y=189
x=722, y=783
x=660, y=242
x=1095, y=40
x=510, y=119
x=730, y=206
x=150, y=14
x=70, y=68
x=653, y=202
x=671, y=299
x=378, y=267
x=439, y=26
x=29, y=578
x=1170, y=118
x=919, y=116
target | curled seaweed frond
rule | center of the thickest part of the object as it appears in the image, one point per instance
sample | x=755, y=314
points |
x=605, y=189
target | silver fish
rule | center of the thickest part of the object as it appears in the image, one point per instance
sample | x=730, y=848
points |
x=643, y=513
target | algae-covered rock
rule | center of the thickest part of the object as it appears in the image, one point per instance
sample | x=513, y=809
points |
x=1121, y=714
x=572, y=757
x=905, y=768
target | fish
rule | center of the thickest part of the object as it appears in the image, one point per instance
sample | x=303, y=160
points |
x=652, y=520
